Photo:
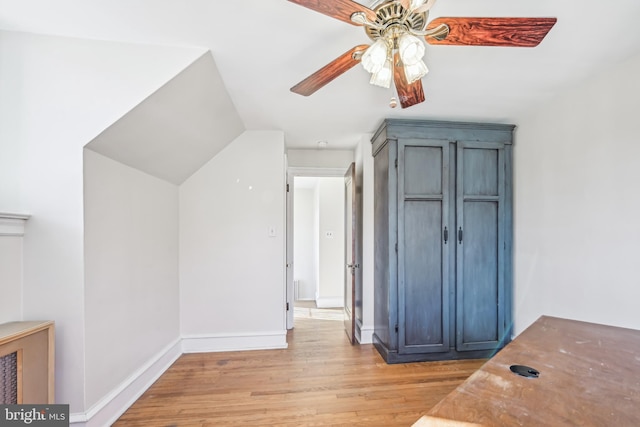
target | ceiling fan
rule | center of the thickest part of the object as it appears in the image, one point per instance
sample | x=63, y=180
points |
x=396, y=28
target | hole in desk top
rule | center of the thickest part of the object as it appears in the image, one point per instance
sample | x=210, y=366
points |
x=525, y=371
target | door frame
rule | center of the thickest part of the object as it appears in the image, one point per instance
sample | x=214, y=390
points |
x=293, y=172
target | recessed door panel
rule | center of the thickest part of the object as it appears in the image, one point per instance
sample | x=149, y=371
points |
x=479, y=282
x=481, y=172
x=422, y=170
x=423, y=275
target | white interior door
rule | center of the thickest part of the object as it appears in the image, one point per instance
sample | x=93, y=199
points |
x=289, y=253
x=350, y=253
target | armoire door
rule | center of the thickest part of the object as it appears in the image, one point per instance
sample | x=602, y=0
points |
x=480, y=241
x=423, y=237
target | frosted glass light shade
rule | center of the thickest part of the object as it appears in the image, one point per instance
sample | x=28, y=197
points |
x=383, y=77
x=375, y=56
x=415, y=71
x=411, y=49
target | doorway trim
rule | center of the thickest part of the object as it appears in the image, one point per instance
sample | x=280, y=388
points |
x=292, y=172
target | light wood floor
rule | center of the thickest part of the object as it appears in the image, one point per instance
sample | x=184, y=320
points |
x=320, y=380
x=305, y=303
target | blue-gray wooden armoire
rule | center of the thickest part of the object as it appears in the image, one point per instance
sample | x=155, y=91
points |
x=443, y=233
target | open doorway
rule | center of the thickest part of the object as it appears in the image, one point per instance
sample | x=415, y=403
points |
x=315, y=245
x=318, y=245
x=318, y=242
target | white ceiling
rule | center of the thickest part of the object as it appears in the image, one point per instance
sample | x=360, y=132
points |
x=263, y=47
x=177, y=129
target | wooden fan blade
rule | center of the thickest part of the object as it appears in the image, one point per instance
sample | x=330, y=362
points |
x=339, y=9
x=329, y=72
x=405, y=3
x=516, y=32
x=408, y=93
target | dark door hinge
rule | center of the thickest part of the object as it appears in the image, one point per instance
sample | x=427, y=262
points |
x=446, y=235
x=287, y=188
x=287, y=306
x=396, y=248
x=396, y=328
x=460, y=235
x=396, y=163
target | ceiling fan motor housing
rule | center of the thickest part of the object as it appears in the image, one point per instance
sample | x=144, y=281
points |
x=393, y=16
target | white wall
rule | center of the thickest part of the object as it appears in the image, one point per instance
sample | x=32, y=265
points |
x=131, y=271
x=577, y=233
x=10, y=278
x=299, y=158
x=57, y=94
x=331, y=242
x=231, y=271
x=11, y=241
x=305, y=242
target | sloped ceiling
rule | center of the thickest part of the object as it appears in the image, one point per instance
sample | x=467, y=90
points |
x=178, y=128
x=263, y=47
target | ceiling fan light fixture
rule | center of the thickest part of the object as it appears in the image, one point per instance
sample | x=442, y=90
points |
x=411, y=49
x=415, y=72
x=375, y=56
x=399, y=30
x=383, y=77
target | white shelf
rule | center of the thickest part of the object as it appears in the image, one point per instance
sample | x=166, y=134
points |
x=12, y=224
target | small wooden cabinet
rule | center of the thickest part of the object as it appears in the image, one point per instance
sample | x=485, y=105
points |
x=32, y=344
x=442, y=221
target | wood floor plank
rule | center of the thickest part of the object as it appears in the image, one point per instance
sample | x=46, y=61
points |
x=320, y=380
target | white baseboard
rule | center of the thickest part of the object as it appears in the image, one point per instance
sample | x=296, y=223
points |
x=234, y=342
x=113, y=405
x=366, y=335
x=330, y=302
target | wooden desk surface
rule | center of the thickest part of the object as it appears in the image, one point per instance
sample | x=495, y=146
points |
x=589, y=376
